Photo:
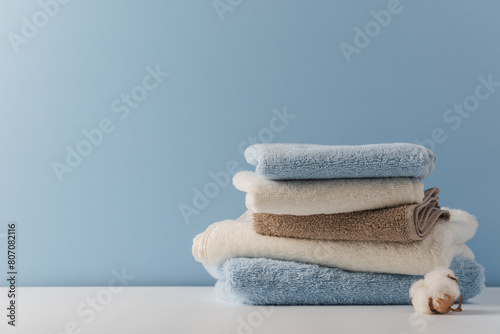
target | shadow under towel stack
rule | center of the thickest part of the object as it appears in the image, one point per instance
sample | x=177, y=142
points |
x=332, y=225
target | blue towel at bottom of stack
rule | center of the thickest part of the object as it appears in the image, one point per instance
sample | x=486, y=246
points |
x=259, y=281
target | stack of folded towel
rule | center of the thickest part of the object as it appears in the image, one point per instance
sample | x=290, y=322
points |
x=337, y=225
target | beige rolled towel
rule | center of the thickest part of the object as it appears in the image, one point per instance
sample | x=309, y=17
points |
x=404, y=223
x=310, y=197
x=236, y=238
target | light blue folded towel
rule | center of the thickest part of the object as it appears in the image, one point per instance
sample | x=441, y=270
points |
x=260, y=281
x=302, y=161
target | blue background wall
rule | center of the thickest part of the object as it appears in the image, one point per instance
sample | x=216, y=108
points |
x=119, y=208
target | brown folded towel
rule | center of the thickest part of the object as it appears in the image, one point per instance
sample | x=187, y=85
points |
x=403, y=223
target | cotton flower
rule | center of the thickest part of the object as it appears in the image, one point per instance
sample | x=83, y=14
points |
x=436, y=292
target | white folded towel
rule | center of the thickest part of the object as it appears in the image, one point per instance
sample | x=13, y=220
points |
x=236, y=238
x=309, y=197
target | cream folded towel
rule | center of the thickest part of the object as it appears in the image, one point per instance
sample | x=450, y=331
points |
x=309, y=197
x=236, y=238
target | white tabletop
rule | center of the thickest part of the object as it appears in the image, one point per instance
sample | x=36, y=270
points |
x=197, y=310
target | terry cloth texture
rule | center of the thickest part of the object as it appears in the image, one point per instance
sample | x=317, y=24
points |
x=302, y=161
x=309, y=197
x=236, y=238
x=403, y=223
x=272, y=282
